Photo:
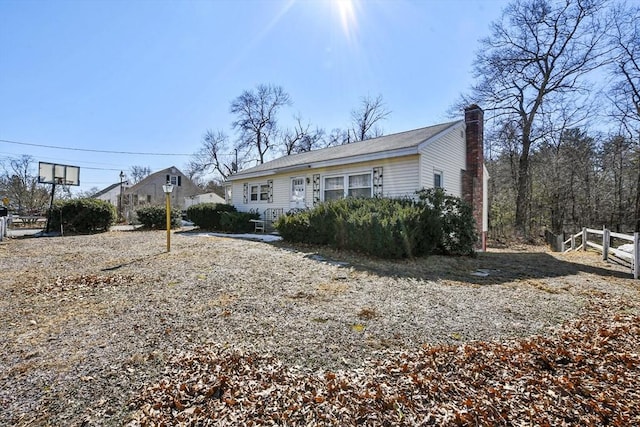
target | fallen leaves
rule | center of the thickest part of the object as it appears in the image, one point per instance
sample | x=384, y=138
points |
x=78, y=283
x=587, y=373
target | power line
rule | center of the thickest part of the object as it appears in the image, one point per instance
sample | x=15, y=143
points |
x=92, y=150
x=11, y=156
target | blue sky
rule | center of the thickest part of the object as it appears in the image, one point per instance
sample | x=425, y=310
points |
x=152, y=76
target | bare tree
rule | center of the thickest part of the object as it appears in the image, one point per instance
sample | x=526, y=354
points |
x=625, y=70
x=19, y=183
x=256, y=113
x=86, y=194
x=337, y=137
x=214, y=156
x=301, y=138
x=366, y=119
x=138, y=173
x=624, y=92
x=538, y=53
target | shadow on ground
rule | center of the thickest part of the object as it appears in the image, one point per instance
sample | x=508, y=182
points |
x=488, y=268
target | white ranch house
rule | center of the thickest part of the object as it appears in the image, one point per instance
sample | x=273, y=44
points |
x=447, y=155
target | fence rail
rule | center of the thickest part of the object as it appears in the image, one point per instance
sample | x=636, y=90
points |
x=631, y=259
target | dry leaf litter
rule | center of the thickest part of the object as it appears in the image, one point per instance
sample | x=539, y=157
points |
x=111, y=330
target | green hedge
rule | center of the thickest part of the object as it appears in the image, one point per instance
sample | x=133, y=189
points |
x=237, y=222
x=156, y=217
x=207, y=216
x=458, y=227
x=387, y=228
x=84, y=215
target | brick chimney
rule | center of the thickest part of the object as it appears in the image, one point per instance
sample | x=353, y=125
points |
x=473, y=180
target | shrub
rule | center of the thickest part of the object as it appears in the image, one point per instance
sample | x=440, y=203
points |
x=387, y=228
x=237, y=222
x=457, y=225
x=156, y=217
x=84, y=215
x=207, y=216
x=294, y=227
x=382, y=227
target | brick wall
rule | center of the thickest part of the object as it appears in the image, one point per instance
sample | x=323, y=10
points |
x=472, y=183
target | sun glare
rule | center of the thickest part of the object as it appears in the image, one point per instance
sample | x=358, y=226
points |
x=347, y=13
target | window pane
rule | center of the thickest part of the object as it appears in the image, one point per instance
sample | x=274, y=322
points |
x=360, y=181
x=254, y=193
x=334, y=183
x=333, y=188
x=360, y=192
x=333, y=195
x=437, y=180
x=264, y=192
x=360, y=185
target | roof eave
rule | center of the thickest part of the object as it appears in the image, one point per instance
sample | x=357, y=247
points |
x=328, y=163
x=456, y=125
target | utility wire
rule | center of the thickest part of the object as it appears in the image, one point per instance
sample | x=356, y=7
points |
x=92, y=150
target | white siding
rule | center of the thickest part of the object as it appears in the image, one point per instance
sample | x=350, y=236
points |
x=448, y=155
x=400, y=178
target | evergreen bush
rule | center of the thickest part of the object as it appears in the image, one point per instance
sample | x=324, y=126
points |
x=156, y=217
x=85, y=215
x=207, y=216
x=457, y=225
x=237, y=222
x=387, y=228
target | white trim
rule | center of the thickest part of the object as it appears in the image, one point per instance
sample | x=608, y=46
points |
x=344, y=161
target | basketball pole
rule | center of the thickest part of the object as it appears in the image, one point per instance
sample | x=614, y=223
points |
x=53, y=191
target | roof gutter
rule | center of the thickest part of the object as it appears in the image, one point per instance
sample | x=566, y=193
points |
x=328, y=163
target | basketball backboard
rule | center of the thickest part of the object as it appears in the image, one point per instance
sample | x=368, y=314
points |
x=51, y=173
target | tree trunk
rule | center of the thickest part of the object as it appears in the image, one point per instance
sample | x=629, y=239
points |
x=522, y=198
x=637, y=228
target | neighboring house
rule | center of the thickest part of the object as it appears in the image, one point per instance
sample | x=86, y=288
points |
x=202, y=198
x=448, y=155
x=149, y=190
x=113, y=194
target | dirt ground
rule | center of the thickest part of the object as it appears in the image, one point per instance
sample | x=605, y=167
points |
x=87, y=322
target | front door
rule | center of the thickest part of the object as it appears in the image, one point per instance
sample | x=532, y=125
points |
x=297, y=200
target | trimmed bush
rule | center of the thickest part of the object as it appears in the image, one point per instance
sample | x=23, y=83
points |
x=84, y=215
x=387, y=228
x=156, y=217
x=457, y=225
x=237, y=222
x=207, y=216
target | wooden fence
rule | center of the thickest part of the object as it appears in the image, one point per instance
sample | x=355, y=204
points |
x=603, y=245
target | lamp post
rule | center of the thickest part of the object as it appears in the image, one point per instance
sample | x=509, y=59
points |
x=168, y=188
x=120, y=204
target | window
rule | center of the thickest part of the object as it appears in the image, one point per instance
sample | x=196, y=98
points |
x=358, y=185
x=264, y=192
x=260, y=193
x=333, y=188
x=437, y=179
x=174, y=180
